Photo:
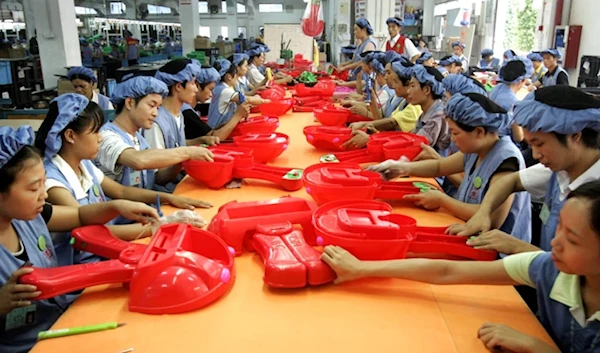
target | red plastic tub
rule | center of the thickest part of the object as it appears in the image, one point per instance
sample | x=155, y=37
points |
x=276, y=109
x=256, y=124
x=213, y=174
x=329, y=138
x=266, y=146
x=332, y=116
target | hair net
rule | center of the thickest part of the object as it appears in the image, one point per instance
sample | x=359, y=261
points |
x=515, y=70
x=462, y=84
x=477, y=110
x=82, y=71
x=425, y=77
x=70, y=105
x=11, y=141
x=185, y=75
x=138, y=87
x=364, y=24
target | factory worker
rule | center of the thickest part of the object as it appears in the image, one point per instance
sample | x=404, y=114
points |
x=426, y=59
x=539, y=69
x=399, y=43
x=488, y=61
x=555, y=75
x=458, y=50
x=362, y=32
x=450, y=65
x=508, y=54
x=83, y=80
x=227, y=104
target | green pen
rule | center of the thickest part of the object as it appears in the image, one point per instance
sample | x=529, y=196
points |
x=78, y=330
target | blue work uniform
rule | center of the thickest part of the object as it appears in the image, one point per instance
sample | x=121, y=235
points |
x=217, y=119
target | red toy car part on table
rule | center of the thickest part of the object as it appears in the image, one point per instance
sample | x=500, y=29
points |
x=370, y=231
x=259, y=124
x=182, y=269
x=266, y=146
x=234, y=162
x=328, y=137
x=276, y=108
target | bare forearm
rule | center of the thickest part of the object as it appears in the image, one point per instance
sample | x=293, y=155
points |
x=459, y=209
x=98, y=213
x=499, y=192
x=455, y=179
x=154, y=158
x=427, y=169
x=165, y=175
x=387, y=124
x=376, y=113
x=130, y=232
x=224, y=131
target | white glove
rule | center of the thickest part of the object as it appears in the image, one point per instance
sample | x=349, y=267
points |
x=391, y=168
x=185, y=217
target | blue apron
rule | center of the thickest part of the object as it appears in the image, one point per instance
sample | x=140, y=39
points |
x=506, y=98
x=128, y=176
x=475, y=184
x=87, y=55
x=174, y=137
x=494, y=65
x=103, y=102
x=392, y=103
x=132, y=52
x=46, y=312
x=357, y=58
x=242, y=86
x=65, y=253
x=550, y=211
x=216, y=118
x=551, y=80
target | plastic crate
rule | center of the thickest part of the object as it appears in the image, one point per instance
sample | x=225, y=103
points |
x=593, y=68
x=5, y=73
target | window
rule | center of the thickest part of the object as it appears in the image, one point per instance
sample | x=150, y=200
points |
x=270, y=7
x=117, y=8
x=225, y=31
x=85, y=11
x=157, y=10
x=242, y=30
x=204, y=31
x=202, y=6
x=241, y=8
x=224, y=6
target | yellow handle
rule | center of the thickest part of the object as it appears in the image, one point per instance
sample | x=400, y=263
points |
x=269, y=74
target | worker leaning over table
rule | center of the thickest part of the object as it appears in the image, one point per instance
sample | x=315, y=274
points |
x=363, y=32
x=256, y=60
x=25, y=238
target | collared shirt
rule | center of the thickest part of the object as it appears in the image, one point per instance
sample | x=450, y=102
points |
x=394, y=40
x=81, y=185
x=561, y=79
x=407, y=117
x=433, y=125
x=535, y=179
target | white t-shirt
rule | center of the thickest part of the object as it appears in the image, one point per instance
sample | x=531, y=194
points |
x=225, y=99
x=82, y=185
x=255, y=77
x=535, y=180
x=95, y=100
x=410, y=49
x=383, y=97
x=155, y=136
x=111, y=147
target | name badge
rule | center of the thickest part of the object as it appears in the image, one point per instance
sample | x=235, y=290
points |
x=20, y=317
x=135, y=178
x=545, y=213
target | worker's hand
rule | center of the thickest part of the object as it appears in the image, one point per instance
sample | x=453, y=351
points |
x=531, y=88
x=346, y=266
x=479, y=223
x=186, y=203
x=392, y=168
x=288, y=79
x=264, y=101
x=366, y=125
x=359, y=139
x=210, y=140
x=359, y=109
x=495, y=240
x=14, y=295
x=242, y=111
x=200, y=154
x=427, y=153
x=430, y=200
x=135, y=211
x=501, y=338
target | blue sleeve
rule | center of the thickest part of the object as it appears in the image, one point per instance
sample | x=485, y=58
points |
x=537, y=266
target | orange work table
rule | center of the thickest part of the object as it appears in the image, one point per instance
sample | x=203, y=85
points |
x=374, y=315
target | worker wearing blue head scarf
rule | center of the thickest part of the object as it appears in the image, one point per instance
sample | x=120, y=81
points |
x=426, y=59
x=450, y=64
x=458, y=50
x=462, y=84
x=555, y=75
x=87, y=52
x=363, y=32
x=508, y=54
x=97, y=54
x=488, y=61
x=224, y=105
x=83, y=80
x=399, y=43
x=168, y=47
x=539, y=70
x=561, y=123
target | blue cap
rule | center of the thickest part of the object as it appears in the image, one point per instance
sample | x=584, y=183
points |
x=486, y=52
x=377, y=66
x=11, y=141
x=392, y=56
x=364, y=24
x=83, y=42
x=477, y=110
x=424, y=57
x=138, y=87
x=83, y=71
x=453, y=59
x=461, y=84
x=509, y=54
x=349, y=49
x=404, y=72
x=225, y=66
x=515, y=70
x=535, y=56
x=554, y=52
x=238, y=58
x=251, y=52
x=424, y=77
x=560, y=109
x=458, y=44
x=395, y=20
x=70, y=105
x=185, y=75
x=207, y=75
x=265, y=47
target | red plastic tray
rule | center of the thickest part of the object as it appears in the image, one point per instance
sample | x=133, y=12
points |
x=182, y=269
x=343, y=181
x=370, y=231
x=236, y=222
x=266, y=146
x=256, y=124
x=277, y=108
x=332, y=116
x=328, y=137
x=234, y=162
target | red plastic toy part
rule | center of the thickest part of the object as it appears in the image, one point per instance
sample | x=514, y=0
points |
x=259, y=124
x=276, y=108
x=234, y=162
x=266, y=146
x=370, y=231
x=236, y=222
x=328, y=137
x=343, y=181
x=381, y=146
x=182, y=269
x=289, y=261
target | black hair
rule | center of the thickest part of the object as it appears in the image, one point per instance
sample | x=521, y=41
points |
x=589, y=138
x=90, y=119
x=231, y=60
x=119, y=108
x=8, y=173
x=567, y=97
x=590, y=191
x=232, y=70
x=173, y=67
x=512, y=52
x=365, y=53
x=513, y=70
x=85, y=78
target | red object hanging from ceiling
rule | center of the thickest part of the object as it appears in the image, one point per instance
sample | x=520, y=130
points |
x=312, y=21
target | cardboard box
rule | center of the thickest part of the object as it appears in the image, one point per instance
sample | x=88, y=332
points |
x=202, y=43
x=225, y=49
x=323, y=57
x=16, y=53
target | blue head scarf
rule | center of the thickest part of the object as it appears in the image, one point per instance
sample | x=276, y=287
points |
x=391, y=57
x=349, y=50
x=424, y=57
x=395, y=20
x=554, y=52
x=238, y=58
x=452, y=59
x=561, y=109
x=424, y=77
x=462, y=84
x=458, y=44
x=477, y=110
x=82, y=71
x=254, y=50
x=509, y=54
x=138, y=87
x=486, y=52
x=515, y=70
x=11, y=141
x=225, y=66
x=185, y=75
x=207, y=75
x=404, y=72
x=70, y=105
x=364, y=24
x=535, y=56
